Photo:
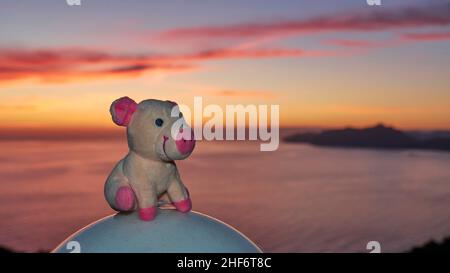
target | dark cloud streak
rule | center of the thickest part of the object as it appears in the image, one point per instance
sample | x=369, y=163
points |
x=56, y=65
x=373, y=20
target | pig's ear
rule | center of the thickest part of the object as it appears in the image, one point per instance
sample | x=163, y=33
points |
x=122, y=110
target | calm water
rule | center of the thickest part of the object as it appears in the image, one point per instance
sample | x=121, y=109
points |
x=298, y=199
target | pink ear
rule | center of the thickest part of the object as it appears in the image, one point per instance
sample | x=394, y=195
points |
x=174, y=103
x=122, y=110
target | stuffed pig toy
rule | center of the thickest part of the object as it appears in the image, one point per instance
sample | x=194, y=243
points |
x=148, y=172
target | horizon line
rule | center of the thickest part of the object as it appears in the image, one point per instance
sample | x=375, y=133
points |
x=99, y=130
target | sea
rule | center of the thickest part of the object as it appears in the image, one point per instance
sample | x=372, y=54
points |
x=299, y=198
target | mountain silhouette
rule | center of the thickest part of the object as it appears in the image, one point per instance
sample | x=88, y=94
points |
x=378, y=136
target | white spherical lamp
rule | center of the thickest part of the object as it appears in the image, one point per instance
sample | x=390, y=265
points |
x=170, y=231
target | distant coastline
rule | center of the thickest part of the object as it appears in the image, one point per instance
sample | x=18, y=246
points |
x=433, y=247
x=378, y=136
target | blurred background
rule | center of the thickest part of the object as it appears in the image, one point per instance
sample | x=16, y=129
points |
x=328, y=66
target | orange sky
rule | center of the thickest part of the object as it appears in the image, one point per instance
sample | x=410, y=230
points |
x=327, y=68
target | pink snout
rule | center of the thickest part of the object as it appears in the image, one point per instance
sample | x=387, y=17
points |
x=185, y=146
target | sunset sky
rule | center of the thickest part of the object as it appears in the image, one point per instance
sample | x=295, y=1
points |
x=326, y=63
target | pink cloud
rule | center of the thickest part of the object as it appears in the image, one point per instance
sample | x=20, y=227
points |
x=67, y=64
x=430, y=36
x=373, y=20
x=354, y=43
x=399, y=40
x=60, y=65
x=248, y=53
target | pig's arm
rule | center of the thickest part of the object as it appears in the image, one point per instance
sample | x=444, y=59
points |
x=178, y=193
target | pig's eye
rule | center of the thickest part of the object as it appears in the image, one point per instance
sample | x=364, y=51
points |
x=159, y=122
x=180, y=115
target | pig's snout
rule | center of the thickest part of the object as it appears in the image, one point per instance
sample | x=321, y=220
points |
x=185, y=146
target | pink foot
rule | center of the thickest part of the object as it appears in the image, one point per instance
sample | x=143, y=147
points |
x=147, y=214
x=125, y=198
x=183, y=205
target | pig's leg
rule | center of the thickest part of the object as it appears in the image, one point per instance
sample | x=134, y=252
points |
x=179, y=195
x=147, y=202
x=118, y=192
x=136, y=171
